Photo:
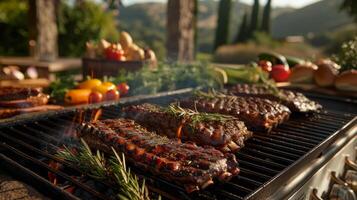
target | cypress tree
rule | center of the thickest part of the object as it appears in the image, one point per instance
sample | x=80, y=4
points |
x=222, y=30
x=266, y=17
x=195, y=19
x=242, y=34
x=254, y=23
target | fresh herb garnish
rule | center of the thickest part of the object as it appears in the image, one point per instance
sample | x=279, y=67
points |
x=113, y=170
x=195, y=116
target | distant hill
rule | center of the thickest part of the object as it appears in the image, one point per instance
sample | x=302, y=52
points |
x=315, y=18
x=147, y=21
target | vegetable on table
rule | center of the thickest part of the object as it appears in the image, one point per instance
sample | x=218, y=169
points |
x=274, y=58
x=123, y=88
x=89, y=84
x=77, y=96
x=95, y=97
x=280, y=73
x=265, y=65
x=111, y=95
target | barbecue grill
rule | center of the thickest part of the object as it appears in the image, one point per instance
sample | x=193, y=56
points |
x=270, y=165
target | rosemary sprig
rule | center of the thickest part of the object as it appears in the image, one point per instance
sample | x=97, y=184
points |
x=113, y=170
x=197, y=117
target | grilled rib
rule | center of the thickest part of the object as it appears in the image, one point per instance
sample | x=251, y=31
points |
x=257, y=114
x=295, y=101
x=222, y=132
x=185, y=163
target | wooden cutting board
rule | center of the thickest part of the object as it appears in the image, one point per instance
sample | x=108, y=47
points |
x=36, y=83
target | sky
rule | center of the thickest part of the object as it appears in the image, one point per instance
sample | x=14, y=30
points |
x=279, y=3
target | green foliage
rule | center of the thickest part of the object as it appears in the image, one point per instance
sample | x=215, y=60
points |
x=82, y=22
x=266, y=21
x=222, y=31
x=242, y=35
x=13, y=26
x=254, y=19
x=347, y=57
x=58, y=88
x=350, y=6
x=264, y=39
x=168, y=77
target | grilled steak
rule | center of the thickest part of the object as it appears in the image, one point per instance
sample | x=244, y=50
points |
x=295, y=101
x=257, y=114
x=185, y=163
x=32, y=101
x=223, y=132
x=14, y=93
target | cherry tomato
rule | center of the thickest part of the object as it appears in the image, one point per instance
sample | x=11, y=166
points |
x=265, y=65
x=280, y=73
x=111, y=95
x=113, y=53
x=123, y=88
x=95, y=97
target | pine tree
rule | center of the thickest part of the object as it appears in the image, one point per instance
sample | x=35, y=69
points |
x=266, y=17
x=222, y=31
x=242, y=34
x=254, y=23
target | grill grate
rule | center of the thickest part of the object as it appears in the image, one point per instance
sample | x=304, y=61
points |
x=265, y=159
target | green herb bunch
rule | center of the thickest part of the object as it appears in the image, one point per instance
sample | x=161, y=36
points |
x=168, y=77
x=113, y=170
x=195, y=116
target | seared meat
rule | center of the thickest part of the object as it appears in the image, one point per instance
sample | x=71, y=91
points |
x=223, y=132
x=14, y=93
x=5, y=113
x=257, y=114
x=295, y=101
x=32, y=101
x=185, y=163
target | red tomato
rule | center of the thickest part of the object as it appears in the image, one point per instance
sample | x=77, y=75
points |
x=265, y=65
x=112, y=95
x=123, y=88
x=95, y=97
x=112, y=53
x=280, y=73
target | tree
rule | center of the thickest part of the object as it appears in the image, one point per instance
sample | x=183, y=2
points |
x=350, y=6
x=243, y=31
x=254, y=19
x=266, y=17
x=43, y=28
x=222, y=30
x=82, y=22
x=180, y=30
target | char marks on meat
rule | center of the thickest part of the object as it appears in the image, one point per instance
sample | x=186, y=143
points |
x=192, y=166
x=226, y=135
x=14, y=93
x=257, y=114
x=295, y=101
